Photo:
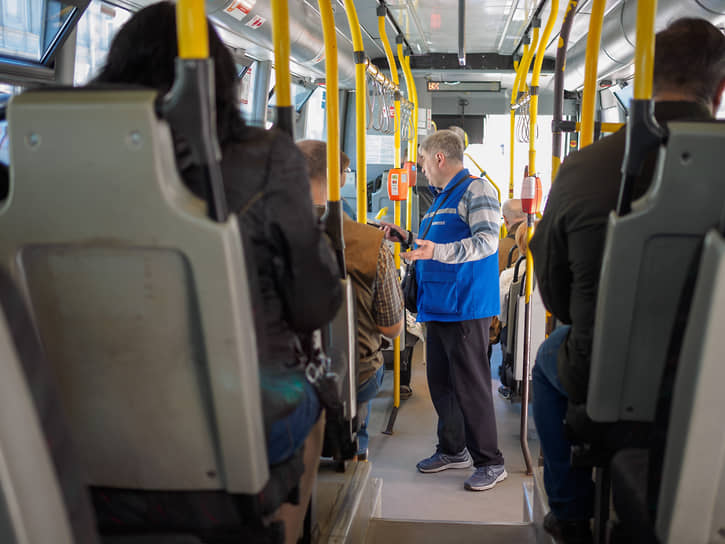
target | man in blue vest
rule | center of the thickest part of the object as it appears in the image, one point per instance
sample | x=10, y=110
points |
x=457, y=277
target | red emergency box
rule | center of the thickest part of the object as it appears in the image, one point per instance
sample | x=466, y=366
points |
x=531, y=195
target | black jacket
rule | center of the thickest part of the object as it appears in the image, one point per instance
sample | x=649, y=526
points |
x=293, y=273
x=569, y=240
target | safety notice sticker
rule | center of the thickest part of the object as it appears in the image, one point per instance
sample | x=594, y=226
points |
x=239, y=9
x=256, y=21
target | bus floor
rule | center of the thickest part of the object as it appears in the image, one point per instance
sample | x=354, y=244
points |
x=409, y=494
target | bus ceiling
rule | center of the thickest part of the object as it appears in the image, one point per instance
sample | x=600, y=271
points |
x=493, y=35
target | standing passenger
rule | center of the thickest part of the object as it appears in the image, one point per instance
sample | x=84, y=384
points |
x=380, y=308
x=457, y=277
x=568, y=247
x=291, y=268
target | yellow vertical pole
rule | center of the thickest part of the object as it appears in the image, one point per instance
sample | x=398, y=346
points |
x=589, y=96
x=412, y=148
x=332, y=106
x=381, y=12
x=535, y=77
x=280, y=37
x=519, y=85
x=644, y=49
x=360, y=111
x=192, y=32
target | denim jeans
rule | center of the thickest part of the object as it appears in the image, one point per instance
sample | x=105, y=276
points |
x=287, y=435
x=365, y=394
x=570, y=490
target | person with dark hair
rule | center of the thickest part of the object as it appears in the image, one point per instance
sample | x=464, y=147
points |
x=689, y=78
x=292, y=270
x=370, y=264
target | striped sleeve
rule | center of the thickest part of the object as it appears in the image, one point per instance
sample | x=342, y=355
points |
x=479, y=209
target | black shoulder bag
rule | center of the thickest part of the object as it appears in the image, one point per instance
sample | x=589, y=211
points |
x=409, y=284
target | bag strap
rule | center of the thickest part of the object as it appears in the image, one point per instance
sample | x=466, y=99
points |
x=441, y=205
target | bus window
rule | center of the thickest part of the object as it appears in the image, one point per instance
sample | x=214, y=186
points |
x=624, y=95
x=315, y=120
x=6, y=91
x=96, y=29
x=28, y=28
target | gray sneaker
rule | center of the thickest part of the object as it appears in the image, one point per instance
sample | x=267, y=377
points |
x=485, y=477
x=441, y=461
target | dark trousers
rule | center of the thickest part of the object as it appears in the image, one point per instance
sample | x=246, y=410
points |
x=459, y=379
x=569, y=489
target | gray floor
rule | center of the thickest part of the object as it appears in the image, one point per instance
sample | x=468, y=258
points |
x=408, y=494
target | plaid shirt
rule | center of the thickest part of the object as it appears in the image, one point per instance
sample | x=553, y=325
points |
x=388, y=306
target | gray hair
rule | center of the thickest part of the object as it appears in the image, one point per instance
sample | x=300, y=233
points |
x=446, y=142
x=512, y=211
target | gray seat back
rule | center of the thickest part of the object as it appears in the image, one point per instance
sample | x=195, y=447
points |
x=692, y=495
x=646, y=259
x=32, y=508
x=141, y=302
x=343, y=350
x=516, y=321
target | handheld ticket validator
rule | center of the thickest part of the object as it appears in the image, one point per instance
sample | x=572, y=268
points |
x=398, y=184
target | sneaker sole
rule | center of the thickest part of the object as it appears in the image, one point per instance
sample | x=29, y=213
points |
x=462, y=464
x=501, y=477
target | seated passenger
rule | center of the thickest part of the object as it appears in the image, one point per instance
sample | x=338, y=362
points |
x=293, y=273
x=568, y=247
x=507, y=275
x=379, y=299
x=508, y=254
x=513, y=216
x=504, y=282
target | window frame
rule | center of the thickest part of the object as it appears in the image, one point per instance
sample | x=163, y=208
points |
x=18, y=70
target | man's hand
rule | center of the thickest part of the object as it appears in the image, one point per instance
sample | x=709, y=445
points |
x=424, y=251
x=390, y=228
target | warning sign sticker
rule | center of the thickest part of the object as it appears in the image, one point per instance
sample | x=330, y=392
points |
x=255, y=22
x=239, y=9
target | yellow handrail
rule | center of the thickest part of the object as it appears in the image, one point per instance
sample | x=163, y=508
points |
x=332, y=105
x=360, y=111
x=412, y=138
x=280, y=37
x=485, y=175
x=512, y=127
x=534, y=104
x=396, y=205
x=192, y=32
x=520, y=83
x=644, y=49
x=594, y=39
x=605, y=127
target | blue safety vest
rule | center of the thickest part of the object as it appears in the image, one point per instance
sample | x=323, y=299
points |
x=454, y=292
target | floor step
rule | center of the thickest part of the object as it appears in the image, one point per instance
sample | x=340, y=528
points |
x=535, y=495
x=385, y=531
x=345, y=503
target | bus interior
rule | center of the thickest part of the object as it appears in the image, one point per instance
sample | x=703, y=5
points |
x=127, y=349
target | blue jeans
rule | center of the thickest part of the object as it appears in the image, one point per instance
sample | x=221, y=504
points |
x=287, y=435
x=365, y=394
x=570, y=490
